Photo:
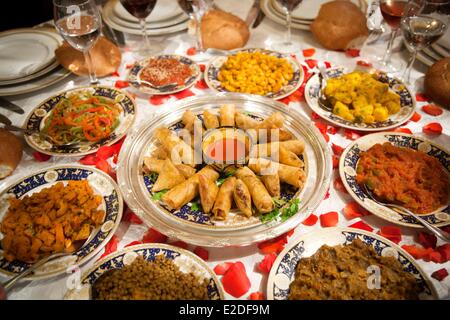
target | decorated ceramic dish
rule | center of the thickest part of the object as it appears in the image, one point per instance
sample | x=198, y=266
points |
x=185, y=260
x=283, y=269
x=190, y=223
x=44, y=113
x=349, y=161
x=407, y=102
x=136, y=72
x=101, y=183
x=213, y=69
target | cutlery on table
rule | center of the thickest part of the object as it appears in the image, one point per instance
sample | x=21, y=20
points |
x=253, y=13
x=323, y=76
x=259, y=18
x=10, y=106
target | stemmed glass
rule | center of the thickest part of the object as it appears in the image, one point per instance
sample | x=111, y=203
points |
x=195, y=10
x=287, y=46
x=79, y=23
x=141, y=9
x=423, y=23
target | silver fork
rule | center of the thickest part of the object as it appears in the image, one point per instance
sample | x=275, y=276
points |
x=435, y=230
x=323, y=77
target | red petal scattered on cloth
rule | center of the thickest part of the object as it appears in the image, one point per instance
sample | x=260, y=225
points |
x=293, y=55
x=202, y=253
x=353, y=210
x=41, y=157
x=105, y=152
x=184, y=94
x=440, y=274
x=129, y=65
x=266, y=264
x=111, y=246
x=339, y=186
x=116, y=158
x=309, y=52
x=286, y=100
x=327, y=195
x=311, y=220
x=444, y=250
x=392, y=233
x=296, y=96
x=201, y=84
x=222, y=268
x=132, y=243
x=202, y=67
x=275, y=245
x=321, y=126
x=158, y=100
x=89, y=160
x=312, y=63
x=402, y=130
x=130, y=216
x=326, y=137
x=121, y=84
x=118, y=145
x=332, y=129
x=327, y=64
x=337, y=150
x=434, y=256
x=352, y=134
x=329, y=219
x=421, y=97
x=179, y=244
x=432, y=128
x=432, y=110
x=335, y=161
x=361, y=225
x=418, y=252
x=364, y=63
x=153, y=235
x=191, y=51
x=104, y=166
x=115, y=74
x=235, y=281
x=446, y=228
x=256, y=296
x=427, y=240
x=315, y=116
x=352, y=53
x=416, y=117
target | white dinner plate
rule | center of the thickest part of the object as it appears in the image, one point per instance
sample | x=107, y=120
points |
x=444, y=41
x=24, y=52
x=164, y=10
x=269, y=12
x=441, y=50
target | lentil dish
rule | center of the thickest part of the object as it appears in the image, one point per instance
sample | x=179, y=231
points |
x=404, y=176
x=50, y=221
x=164, y=71
x=340, y=273
x=160, y=279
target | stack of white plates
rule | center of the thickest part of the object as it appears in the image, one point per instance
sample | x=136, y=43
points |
x=27, y=60
x=303, y=15
x=437, y=51
x=167, y=17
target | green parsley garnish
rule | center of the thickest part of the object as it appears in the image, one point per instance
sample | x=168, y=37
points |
x=157, y=196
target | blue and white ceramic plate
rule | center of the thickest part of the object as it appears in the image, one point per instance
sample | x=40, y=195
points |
x=347, y=170
x=185, y=260
x=36, y=122
x=407, y=102
x=283, y=270
x=135, y=74
x=213, y=69
x=101, y=183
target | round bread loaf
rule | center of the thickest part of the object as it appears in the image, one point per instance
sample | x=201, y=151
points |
x=222, y=30
x=437, y=82
x=10, y=152
x=340, y=25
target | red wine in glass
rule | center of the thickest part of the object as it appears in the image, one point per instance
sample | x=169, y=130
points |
x=392, y=12
x=139, y=8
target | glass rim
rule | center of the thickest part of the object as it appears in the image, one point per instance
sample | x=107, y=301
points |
x=73, y=4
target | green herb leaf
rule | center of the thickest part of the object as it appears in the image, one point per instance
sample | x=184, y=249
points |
x=272, y=215
x=230, y=173
x=157, y=196
x=220, y=181
x=290, y=210
x=195, y=206
x=279, y=202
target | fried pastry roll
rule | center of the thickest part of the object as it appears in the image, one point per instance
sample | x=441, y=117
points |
x=224, y=199
x=272, y=183
x=242, y=198
x=288, y=174
x=245, y=122
x=208, y=192
x=168, y=177
x=210, y=120
x=259, y=194
x=226, y=115
x=156, y=165
x=188, y=119
x=178, y=150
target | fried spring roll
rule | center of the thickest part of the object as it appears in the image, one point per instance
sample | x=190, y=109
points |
x=208, y=192
x=274, y=121
x=242, y=198
x=226, y=115
x=245, y=122
x=224, y=199
x=295, y=146
x=260, y=197
x=210, y=120
x=155, y=165
x=278, y=153
x=168, y=177
x=272, y=183
x=178, y=150
x=188, y=119
x=290, y=175
x=184, y=192
x=160, y=153
x=282, y=135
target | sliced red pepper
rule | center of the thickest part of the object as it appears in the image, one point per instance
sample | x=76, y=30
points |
x=111, y=246
x=432, y=128
x=256, y=296
x=329, y=219
x=427, y=240
x=222, y=268
x=266, y=264
x=352, y=53
x=361, y=225
x=41, y=157
x=235, y=281
x=202, y=253
x=440, y=274
x=432, y=110
x=309, y=52
x=416, y=117
x=311, y=220
x=121, y=84
x=153, y=235
x=392, y=233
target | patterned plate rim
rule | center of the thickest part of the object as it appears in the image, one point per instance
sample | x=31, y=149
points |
x=276, y=95
x=355, y=197
x=340, y=230
x=144, y=246
x=90, y=255
x=326, y=114
x=83, y=153
x=140, y=64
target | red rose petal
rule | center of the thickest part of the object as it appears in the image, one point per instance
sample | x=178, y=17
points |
x=427, y=240
x=266, y=264
x=312, y=63
x=130, y=216
x=191, y=51
x=421, y=97
x=105, y=152
x=115, y=74
x=332, y=129
x=351, y=134
x=339, y=186
x=89, y=160
x=111, y=246
x=315, y=116
x=418, y=252
x=416, y=117
x=202, y=67
x=335, y=161
x=41, y=157
x=327, y=64
x=402, y=130
x=440, y=274
x=444, y=250
x=129, y=65
x=321, y=126
x=153, y=235
x=311, y=220
x=432, y=128
x=158, y=100
x=337, y=150
x=286, y=100
x=361, y=225
x=222, y=268
x=235, y=281
x=202, y=253
x=392, y=233
x=275, y=245
x=329, y=219
x=133, y=243
x=121, y=84
x=432, y=110
x=327, y=195
x=364, y=63
x=179, y=244
x=184, y=94
x=309, y=52
x=353, y=210
x=256, y=296
x=352, y=53
x=201, y=84
x=326, y=137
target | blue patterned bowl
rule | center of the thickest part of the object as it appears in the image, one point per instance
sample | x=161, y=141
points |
x=101, y=183
x=347, y=170
x=185, y=260
x=283, y=269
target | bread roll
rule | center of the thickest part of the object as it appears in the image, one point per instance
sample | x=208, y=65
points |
x=10, y=152
x=340, y=25
x=437, y=82
x=222, y=30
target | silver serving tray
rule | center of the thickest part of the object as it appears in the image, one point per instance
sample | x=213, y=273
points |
x=138, y=144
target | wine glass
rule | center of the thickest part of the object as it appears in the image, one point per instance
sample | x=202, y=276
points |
x=423, y=23
x=195, y=10
x=392, y=11
x=287, y=46
x=79, y=23
x=141, y=9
